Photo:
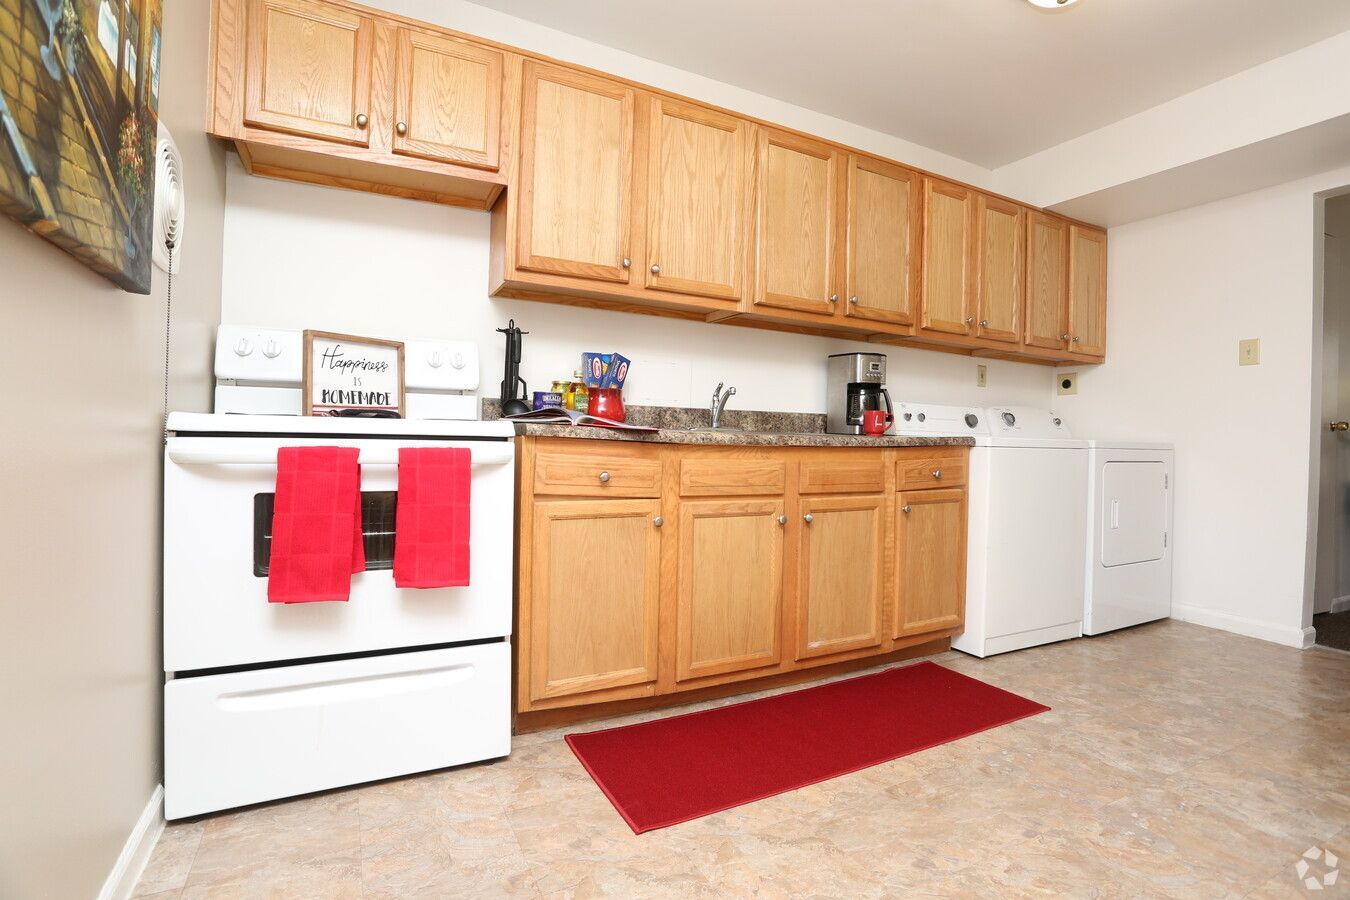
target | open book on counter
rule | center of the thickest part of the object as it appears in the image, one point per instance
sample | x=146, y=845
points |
x=556, y=415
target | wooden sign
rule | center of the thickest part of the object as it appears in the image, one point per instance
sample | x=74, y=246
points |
x=346, y=372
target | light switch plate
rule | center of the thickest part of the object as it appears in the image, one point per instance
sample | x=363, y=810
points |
x=1066, y=383
x=1249, y=352
x=981, y=375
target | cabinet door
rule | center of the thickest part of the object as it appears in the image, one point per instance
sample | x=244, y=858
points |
x=576, y=174
x=883, y=246
x=308, y=70
x=448, y=100
x=1087, y=290
x=1047, y=281
x=1002, y=230
x=930, y=560
x=840, y=574
x=948, y=290
x=695, y=202
x=730, y=586
x=594, y=582
x=796, y=201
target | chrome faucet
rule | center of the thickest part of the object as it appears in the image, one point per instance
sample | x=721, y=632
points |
x=719, y=403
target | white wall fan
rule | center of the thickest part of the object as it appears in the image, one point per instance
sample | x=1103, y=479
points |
x=170, y=203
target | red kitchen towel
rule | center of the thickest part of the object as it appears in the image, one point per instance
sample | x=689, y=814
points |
x=431, y=524
x=316, y=525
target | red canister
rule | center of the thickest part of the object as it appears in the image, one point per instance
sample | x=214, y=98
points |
x=606, y=403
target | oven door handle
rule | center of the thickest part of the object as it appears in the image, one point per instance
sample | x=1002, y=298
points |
x=190, y=456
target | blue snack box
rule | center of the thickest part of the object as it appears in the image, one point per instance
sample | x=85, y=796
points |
x=593, y=367
x=617, y=372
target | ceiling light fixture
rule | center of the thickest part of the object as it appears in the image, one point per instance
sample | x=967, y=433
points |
x=1052, y=4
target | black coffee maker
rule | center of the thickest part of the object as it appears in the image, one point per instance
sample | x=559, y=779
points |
x=855, y=382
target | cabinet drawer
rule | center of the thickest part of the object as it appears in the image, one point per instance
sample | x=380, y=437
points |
x=596, y=475
x=723, y=477
x=843, y=476
x=929, y=472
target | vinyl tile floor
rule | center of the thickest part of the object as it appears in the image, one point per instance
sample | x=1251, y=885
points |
x=1177, y=761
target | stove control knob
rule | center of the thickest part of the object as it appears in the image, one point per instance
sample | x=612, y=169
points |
x=243, y=347
x=908, y=416
x=458, y=361
x=1058, y=421
x=1009, y=419
x=923, y=417
x=434, y=360
x=271, y=350
x=972, y=420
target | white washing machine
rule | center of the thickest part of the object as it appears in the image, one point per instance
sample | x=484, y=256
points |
x=1028, y=494
x=1129, y=525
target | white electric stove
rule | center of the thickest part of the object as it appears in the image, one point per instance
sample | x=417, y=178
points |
x=266, y=700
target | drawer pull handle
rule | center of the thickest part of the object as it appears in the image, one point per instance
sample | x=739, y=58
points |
x=808, y=518
x=905, y=509
x=604, y=477
x=937, y=473
x=658, y=521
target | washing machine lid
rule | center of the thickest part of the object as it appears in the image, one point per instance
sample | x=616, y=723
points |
x=1129, y=445
x=1133, y=510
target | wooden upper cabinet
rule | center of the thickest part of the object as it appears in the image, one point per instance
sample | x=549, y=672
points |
x=883, y=240
x=448, y=100
x=308, y=70
x=696, y=198
x=595, y=582
x=1087, y=290
x=1001, y=235
x=841, y=572
x=930, y=560
x=576, y=174
x=1047, y=308
x=730, y=586
x=948, y=292
x=796, y=200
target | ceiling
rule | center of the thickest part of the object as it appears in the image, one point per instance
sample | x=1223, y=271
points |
x=987, y=81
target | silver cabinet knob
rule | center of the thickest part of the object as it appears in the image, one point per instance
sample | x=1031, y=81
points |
x=970, y=320
x=362, y=120
x=808, y=518
x=853, y=299
x=604, y=477
x=782, y=520
x=658, y=521
x=984, y=323
x=656, y=270
x=937, y=473
x=401, y=128
x=1075, y=338
x=627, y=262
x=905, y=509
x=834, y=298
x=1064, y=336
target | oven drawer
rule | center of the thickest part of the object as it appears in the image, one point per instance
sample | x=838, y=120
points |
x=246, y=737
x=596, y=475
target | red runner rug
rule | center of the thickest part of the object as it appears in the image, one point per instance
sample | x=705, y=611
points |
x=672, y=770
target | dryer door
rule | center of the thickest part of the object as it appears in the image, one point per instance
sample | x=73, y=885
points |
x=1134, y=512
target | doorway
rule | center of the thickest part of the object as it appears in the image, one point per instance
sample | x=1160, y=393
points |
x=1331, y=591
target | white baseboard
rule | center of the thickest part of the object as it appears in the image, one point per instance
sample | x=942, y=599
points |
x=121, y=881
x=1340, y=604
x=1288, y=635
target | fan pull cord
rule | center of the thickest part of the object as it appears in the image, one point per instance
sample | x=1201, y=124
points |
x=168, y=328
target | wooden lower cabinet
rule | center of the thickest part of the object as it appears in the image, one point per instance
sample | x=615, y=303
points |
x=930, y=560
x=730, y=586
x=841, y=561
x=725, y=567
x=595, y=586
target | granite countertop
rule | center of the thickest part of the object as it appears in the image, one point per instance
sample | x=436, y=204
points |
x=758, y=429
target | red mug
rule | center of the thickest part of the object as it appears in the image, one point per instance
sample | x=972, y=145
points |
x=877, y=422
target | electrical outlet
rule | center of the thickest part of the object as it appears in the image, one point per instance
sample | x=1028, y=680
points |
x=981, y=375
x=1249, y=352
x=1066, y=383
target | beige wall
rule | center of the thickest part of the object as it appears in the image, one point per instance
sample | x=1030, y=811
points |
x=80, y=447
